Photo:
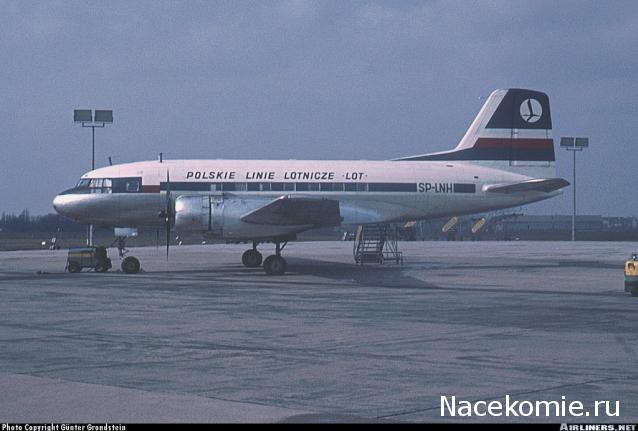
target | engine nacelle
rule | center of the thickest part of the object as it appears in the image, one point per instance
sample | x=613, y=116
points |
x=219, y=217
x=199, y=213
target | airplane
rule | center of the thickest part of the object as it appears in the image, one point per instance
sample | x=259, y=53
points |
x=505, y=159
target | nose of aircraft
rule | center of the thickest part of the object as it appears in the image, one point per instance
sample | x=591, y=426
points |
x=58, y=204
x=66, y=204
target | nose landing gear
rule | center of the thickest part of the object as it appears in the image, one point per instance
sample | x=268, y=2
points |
x=130, y=264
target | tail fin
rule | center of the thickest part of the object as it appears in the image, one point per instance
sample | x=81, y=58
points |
x=513, y=129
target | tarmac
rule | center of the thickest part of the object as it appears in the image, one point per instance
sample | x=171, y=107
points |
x=200, y=338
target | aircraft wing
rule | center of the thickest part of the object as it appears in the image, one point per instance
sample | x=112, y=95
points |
x=535, y=185
x=296, y=211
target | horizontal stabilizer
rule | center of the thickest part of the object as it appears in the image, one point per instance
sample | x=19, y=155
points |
x=296, y=211
x=535, y=185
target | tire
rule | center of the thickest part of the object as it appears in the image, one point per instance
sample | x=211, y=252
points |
x=275, y=265
x=251, y=258
x=130, y=265
x=101, y=266
x=74, y=267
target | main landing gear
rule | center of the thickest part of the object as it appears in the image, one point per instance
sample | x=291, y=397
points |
x=130, y=264
x=252, y=258
x=273, y=265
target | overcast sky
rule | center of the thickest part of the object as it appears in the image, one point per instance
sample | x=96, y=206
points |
x=301, y=79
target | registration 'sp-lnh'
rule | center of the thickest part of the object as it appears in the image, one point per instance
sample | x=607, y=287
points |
x=505, y=159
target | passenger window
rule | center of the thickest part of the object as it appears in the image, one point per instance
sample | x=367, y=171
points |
x=133, y=186
x=331, y=187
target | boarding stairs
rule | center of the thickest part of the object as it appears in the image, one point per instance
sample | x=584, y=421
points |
x=376, y=243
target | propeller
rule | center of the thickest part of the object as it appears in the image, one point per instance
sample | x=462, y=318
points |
x=168, y=213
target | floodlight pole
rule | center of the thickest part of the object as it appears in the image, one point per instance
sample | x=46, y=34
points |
x=93, y=126
x=574, y=200
x=89, y=228
x=88, y=119
x=573, y=145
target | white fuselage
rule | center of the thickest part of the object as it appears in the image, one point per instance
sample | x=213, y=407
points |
x=367, y=191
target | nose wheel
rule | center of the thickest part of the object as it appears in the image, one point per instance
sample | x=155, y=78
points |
x=130, y=264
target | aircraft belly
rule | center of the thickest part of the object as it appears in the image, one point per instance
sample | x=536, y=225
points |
x=378, y=209
x=471, y=204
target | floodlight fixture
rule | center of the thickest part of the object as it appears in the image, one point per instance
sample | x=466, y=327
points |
x=567, y=141
x=581, y=142
x=83, y=116
x=103, y=116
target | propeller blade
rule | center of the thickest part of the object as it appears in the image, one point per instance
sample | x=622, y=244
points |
x=168, y=237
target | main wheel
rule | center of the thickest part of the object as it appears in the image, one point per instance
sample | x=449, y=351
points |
x=74, y=267
x=251, y=258
x=130, y=265
x=275, y=265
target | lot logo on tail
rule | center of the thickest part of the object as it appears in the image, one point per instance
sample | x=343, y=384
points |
x=531, y=110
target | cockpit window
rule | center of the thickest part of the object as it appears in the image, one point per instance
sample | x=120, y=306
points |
x=94, y=185
x=108, y=185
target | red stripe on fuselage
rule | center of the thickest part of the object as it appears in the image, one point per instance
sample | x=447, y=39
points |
x=151, y=189
x=514, y=143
